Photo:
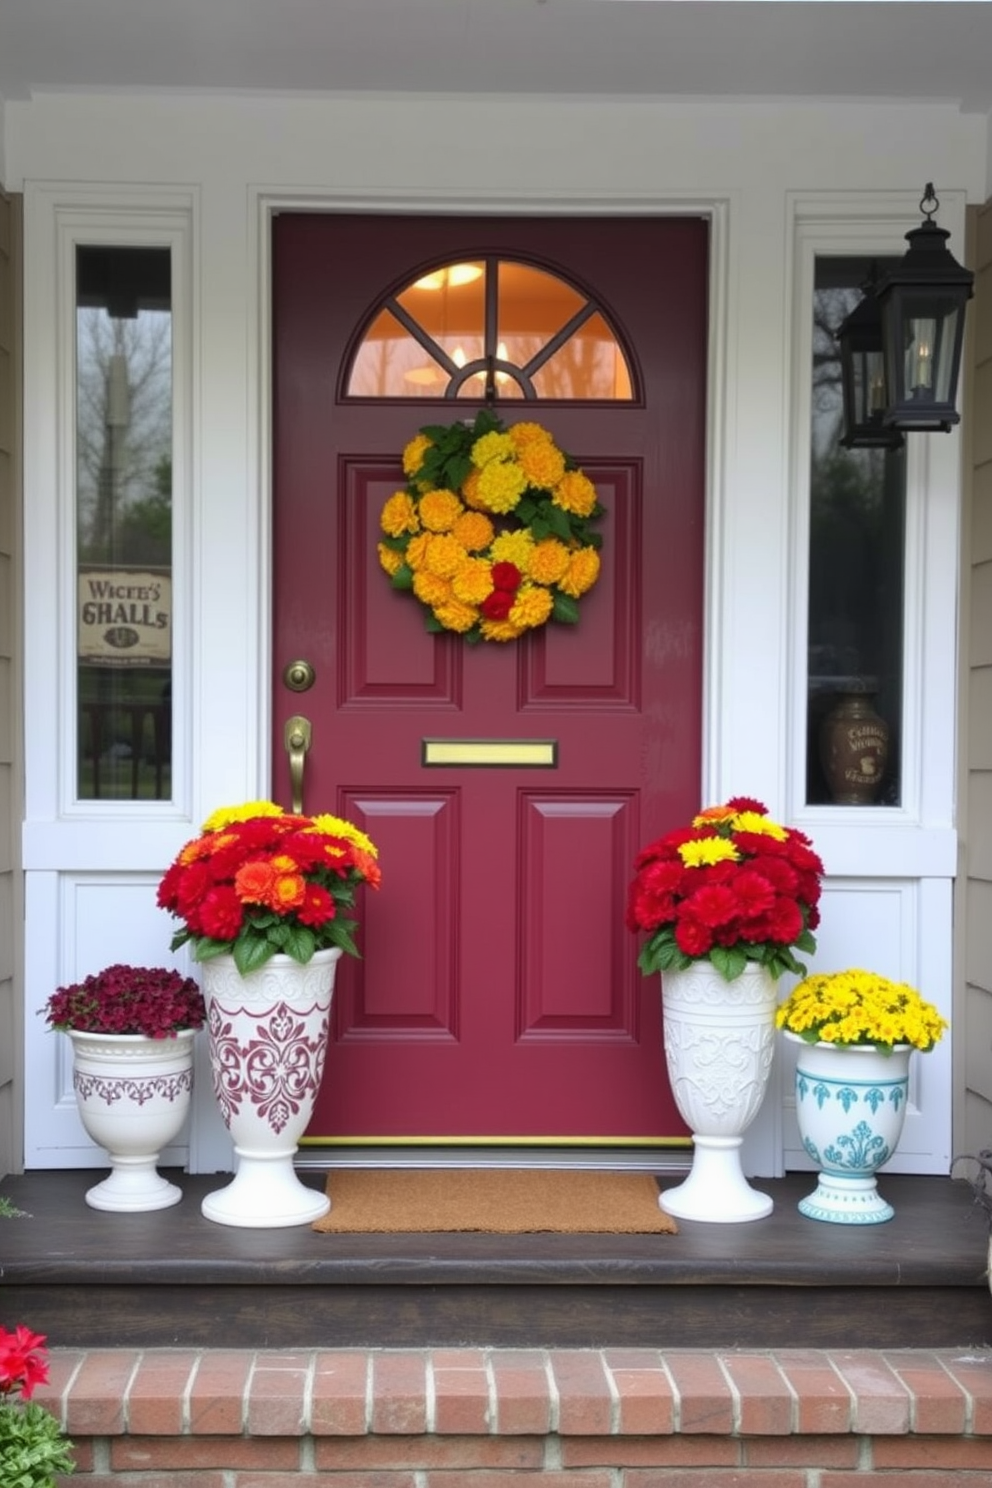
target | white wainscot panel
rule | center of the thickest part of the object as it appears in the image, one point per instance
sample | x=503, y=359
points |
x=900, y=928
x=92, y=921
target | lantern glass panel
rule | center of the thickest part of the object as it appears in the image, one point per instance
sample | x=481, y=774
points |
x=923, y=333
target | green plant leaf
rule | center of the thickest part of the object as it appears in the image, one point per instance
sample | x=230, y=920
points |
x=300, y=943
x=339, y=934
x=565, y=609
x=729, y=961
x=251, y=952
x=206, y=949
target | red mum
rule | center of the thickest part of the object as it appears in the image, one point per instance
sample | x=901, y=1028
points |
x=497, y=606
x=713, y=905
x=221, y=914
x=506, y=576
x=692, y=937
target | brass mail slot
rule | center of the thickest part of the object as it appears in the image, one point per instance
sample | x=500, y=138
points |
x=540, y=753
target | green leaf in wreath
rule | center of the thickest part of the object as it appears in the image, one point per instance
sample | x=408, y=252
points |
x=565, y=609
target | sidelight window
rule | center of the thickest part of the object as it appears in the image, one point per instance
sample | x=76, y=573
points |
x=124, y=440
x=855, y=633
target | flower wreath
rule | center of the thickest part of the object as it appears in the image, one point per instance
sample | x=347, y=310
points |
x=492, y=533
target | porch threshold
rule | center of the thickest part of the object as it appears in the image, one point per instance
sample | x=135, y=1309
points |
x=172, y=1278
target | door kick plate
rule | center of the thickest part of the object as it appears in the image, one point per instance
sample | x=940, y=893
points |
x=525, y=753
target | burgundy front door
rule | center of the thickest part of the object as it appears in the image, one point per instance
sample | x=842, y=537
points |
x=498, y=996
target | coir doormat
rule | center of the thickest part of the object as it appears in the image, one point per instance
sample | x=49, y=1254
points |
x=500, y=1201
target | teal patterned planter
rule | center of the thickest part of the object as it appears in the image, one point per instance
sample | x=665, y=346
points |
x=850, y=1106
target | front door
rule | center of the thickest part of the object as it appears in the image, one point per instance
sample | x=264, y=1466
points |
x=498, y=998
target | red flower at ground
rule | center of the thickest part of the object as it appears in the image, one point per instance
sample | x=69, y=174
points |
x=22, y=1361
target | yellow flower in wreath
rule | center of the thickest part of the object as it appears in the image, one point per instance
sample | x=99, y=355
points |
x=494, y=534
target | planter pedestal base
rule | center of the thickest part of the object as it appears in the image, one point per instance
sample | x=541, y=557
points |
x=134, y=1185
x=846, y=1201
x=716, y=1190
x=265, y=1194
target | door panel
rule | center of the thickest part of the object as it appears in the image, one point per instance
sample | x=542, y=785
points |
x=498, y=996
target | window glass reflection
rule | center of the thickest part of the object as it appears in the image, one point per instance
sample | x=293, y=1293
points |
x=124, y=522
x=856, y=581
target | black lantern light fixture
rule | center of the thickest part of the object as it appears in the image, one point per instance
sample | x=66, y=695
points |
x=922, y=302
x=862, y=374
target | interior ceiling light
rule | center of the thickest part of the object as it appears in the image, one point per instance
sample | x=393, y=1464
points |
x=451, y=277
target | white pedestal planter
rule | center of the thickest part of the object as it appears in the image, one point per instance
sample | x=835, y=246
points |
x=268, y=1041
x=133, y=1095
x=719, y=1045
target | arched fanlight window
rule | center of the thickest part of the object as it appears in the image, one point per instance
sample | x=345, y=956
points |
x=492, y=329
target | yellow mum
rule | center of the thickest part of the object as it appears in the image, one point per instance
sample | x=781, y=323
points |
x=525, y=434
x=583, y=571
x=454, y=615
x=514, y=547
x=473, y=582
x=500, y=630
x=532, y=606
x=444, y=555
x=391, y=560
x=413, y=455
x=761, y=826
x=708, y=850
x=430, y=588
x=474, y=531
x=416, y=549
x=470, y=491
x=549, y=561
x=575, y=493
x=335, y=826
x=225, y=815
x=494, y=446
x=501, y=485
x=440, y=510
x=399, y=515
x=542, y=463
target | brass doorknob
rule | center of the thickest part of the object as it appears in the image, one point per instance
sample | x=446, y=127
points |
x=299, y=676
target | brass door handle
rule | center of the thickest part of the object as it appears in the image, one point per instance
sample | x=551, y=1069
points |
x=297, y=735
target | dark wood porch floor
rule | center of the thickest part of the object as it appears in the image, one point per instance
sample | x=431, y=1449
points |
x=91, y=1279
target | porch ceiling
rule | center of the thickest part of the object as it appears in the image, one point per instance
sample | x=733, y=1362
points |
x=927, y=51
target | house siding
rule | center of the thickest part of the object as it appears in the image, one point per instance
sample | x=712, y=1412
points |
x=11, y=909
x=620, y=1418
x=975, y=941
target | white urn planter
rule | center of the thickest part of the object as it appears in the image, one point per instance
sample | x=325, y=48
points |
x=133, y=1095
x=850, y=1106
x=268, y=1041
x=719, y=1045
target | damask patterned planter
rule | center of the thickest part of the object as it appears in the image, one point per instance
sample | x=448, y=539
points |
x=850, y=1106
x=719, y=1045
x=133, y=1096
x=268, y=1041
